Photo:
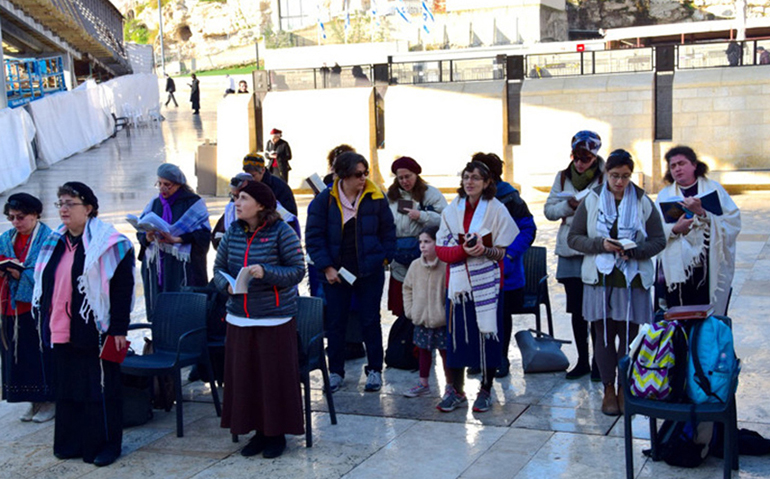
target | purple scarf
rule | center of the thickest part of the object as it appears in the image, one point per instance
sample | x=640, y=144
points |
x=166, y=216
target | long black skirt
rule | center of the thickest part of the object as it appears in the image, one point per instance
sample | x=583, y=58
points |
x=262, y=391
x=89, y=416
x=27, y=365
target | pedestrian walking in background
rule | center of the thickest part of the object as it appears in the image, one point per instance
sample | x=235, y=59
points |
x=170, y=89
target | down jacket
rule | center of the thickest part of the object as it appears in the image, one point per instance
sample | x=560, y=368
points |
x=278, y=250
x=375, y=230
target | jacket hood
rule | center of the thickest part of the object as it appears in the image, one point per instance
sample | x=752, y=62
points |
x=504, y=188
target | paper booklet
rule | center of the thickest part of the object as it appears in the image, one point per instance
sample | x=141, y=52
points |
x=578, y=196
x=672, y=209
x=315, y=183
x=349, y=277
x=149, y=222
x=240, y=284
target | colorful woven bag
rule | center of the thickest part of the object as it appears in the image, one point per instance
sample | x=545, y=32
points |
x=653, y=372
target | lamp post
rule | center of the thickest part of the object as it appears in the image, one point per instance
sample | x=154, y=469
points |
x=160, y=30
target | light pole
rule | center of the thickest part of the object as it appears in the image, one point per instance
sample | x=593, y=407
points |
x=160, y=29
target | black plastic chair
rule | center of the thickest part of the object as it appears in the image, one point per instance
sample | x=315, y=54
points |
x=310, y=319
x=714, y=412
x=536, y=287
x=119, y=123
x=179, y=340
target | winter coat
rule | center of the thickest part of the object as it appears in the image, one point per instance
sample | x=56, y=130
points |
x=277, y=249
x=425, y=293
x=513, y=261
x=375, y=230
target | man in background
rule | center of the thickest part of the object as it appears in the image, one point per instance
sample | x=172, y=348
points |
x=278, y=152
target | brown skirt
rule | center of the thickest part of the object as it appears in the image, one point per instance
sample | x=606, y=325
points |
x=262, y=391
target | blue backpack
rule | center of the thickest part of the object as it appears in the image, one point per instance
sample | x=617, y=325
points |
x=711, y=362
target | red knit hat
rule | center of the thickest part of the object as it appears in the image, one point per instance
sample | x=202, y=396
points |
x=408, y=163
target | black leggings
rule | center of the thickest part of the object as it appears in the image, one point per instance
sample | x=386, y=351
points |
x=456, y=377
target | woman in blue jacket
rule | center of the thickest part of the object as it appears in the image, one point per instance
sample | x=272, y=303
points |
x=261, y=363
x=350, y=229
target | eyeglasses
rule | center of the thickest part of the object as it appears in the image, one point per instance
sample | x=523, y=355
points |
x=67, y=205
x=616, y=177
x=360, y=174
x=19, y=217
x=164, y=185
x=473, y=178
x=405, y=177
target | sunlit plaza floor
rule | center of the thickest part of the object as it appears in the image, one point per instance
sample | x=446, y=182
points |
x=540, y=425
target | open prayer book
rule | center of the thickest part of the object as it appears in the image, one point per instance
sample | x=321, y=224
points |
x=566, y=195
x=10, y=263
x=315, y=183
x=149, y=222
x=673, y=209
x=240, y=284
x=626, y=244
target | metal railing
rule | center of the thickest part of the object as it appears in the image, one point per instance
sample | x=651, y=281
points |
x=540, y=65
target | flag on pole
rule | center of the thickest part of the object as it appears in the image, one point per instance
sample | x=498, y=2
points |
x=375, y=13
x=401, y=10
x=427, y=17
x=321, y=27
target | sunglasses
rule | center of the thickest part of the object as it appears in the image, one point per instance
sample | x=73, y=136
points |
x=584, y=158
x=360, y=174
x=19, y=217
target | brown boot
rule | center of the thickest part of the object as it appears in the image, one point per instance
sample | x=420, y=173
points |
x=610, y=402
x=621, y=400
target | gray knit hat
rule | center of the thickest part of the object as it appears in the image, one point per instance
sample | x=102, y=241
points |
x=171, y=172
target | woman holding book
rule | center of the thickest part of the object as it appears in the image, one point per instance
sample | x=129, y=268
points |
x=84, y=290
x=415, y=205
x=350, y=237
x=475, y=231
x=585, y=172
x=616, y=278
x=177, y=258
x=699, y=260
x=261, y=364
x=27, y=374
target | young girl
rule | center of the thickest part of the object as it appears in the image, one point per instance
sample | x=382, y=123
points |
x=424, y=297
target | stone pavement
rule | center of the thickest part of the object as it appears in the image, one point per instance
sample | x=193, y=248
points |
x=539, y=426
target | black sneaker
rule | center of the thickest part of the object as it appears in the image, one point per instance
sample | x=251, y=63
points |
x=580, y=370
x=274, y=446
x=255, y=445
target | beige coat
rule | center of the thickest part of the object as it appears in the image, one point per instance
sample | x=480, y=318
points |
x=425, y=293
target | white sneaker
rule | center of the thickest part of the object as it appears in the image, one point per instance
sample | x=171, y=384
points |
x=30, y=412
x=46, y=412
x=373, y=381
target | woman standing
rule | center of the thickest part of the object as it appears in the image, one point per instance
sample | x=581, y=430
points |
x=195, y=94
x=27, y=374
x=178, y=258
x=426, y=205
x=475, y=231
x=261, y=363
x=84, y=289
x=617, y=281
x=583, y=174
x=350, y=230
x=699, y=260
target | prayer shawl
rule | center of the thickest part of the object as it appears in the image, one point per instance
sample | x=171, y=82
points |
x=229, y=215
x=477, y=278
x=195, y=218
x=629, y=223
x=104, y=249
x=684, y=252
x=21, y=290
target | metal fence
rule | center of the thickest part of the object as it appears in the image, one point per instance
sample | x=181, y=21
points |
x=541, y=65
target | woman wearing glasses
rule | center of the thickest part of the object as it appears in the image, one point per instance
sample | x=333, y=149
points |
x=350, y=236
x=617, y=277
x=27, y=375
x=584, y=173
x=177, y=258
x=474, y=233
x=84, y=289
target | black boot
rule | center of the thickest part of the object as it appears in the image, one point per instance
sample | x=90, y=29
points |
x=274, y=446
x=255, y=446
